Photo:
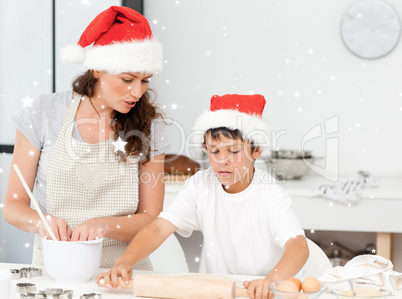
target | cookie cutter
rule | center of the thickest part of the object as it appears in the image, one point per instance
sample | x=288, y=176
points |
x=26, y=287
x=91, y=296
x=30, y=272
x=27, y=272
x=49, y=293
x=15, y=274
x=58, y=293
x=32, y=296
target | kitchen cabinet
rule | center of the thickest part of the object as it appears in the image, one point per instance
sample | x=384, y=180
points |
x=378, y=209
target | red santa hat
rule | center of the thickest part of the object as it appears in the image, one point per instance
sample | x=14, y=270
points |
x=233, y=111
x=122, y=42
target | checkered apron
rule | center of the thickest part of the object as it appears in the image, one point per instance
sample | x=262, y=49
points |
x=85, y=181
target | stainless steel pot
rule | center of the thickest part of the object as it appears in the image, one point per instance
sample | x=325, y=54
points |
x=292, y=169
x=289, y=164
x=290, y=154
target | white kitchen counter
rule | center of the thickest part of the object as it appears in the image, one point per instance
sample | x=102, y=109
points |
x=45, y=281
x=379, y=209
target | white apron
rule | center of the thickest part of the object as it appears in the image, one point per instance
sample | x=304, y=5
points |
x=85, y=181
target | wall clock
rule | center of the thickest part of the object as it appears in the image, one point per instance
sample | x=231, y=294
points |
x=370, y=29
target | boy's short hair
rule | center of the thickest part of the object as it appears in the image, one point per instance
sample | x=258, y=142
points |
x=216, y=133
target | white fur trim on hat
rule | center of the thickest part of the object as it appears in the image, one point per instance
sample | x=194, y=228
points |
x=252, y=127
x=72, y=54
x=137, y=56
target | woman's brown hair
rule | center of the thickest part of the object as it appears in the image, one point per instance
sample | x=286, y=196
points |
x=135, y=125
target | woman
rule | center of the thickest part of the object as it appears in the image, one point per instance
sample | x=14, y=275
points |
x=95, y=154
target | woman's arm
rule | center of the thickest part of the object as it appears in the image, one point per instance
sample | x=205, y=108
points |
x=124, y=228
x=17, y=210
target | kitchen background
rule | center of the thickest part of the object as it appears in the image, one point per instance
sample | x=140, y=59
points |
x=289, y=51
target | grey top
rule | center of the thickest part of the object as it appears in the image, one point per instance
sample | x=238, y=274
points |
x=41, y=123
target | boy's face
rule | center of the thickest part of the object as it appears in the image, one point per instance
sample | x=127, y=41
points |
x=232, y=161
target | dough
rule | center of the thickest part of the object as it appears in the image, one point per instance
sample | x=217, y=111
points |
x=366, y=291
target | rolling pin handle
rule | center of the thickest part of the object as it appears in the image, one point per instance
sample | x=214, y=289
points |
x=241, y=292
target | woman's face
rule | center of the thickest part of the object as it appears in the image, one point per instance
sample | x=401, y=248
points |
x=120, y=92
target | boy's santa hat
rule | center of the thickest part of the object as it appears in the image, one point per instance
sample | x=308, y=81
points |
x=233, y=111
x=122, y=42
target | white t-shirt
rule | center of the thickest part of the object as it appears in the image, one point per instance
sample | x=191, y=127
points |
x=244, y=233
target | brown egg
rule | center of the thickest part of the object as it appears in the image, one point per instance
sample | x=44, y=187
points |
x=287, y=286
x=311, y=284
x=296, y=281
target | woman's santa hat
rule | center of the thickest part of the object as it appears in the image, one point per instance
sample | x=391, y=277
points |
x=233, y=111
x=122, y=42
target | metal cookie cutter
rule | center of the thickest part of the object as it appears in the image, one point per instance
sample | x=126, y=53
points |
x=49, y=293
x=57, y=293
x=26, y=287
x=32, y=296
x=30, y=272
x=25, y=273
x=15, y=274
x=91, y=296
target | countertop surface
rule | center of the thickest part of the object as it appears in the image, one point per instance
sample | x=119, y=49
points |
x=45, y=281
x=389, y=188
x=371, y=213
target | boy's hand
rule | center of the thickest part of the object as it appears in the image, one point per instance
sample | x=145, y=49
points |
x=258, y=289
x=111, y=278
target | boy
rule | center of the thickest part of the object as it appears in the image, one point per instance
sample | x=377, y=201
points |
x=246, y=218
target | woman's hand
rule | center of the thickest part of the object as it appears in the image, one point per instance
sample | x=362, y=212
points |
x=59, y=226
x=258, y=289
x=111, y=278
x=91, y=229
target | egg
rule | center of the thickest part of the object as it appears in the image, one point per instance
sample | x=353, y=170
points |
x=296, y=281
x=287, y=290
x=311, y=284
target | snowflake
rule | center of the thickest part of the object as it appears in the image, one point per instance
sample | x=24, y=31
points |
x=119, y=145
x=27, y=102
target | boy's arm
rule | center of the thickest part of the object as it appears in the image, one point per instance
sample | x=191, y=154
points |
x=143, y=244
x=293, y=259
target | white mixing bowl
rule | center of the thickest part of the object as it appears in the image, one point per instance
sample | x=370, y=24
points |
x=72, y=262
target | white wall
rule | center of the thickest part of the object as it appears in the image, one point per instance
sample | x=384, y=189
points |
x=72, y=17
x=25, y=72
x=292, y=53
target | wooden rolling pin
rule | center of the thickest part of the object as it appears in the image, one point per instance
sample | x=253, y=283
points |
x=182, y=287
